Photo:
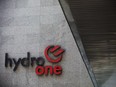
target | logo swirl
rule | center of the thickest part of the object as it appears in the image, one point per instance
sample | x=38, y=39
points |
x=57, y=52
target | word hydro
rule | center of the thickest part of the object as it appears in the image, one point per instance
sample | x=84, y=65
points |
x=55, y=51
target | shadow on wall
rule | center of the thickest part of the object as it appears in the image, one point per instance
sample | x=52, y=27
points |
x=96, y=21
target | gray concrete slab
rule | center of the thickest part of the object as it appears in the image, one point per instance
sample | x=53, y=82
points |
x=24, y=30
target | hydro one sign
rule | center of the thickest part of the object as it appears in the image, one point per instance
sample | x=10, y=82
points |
x=53, y=54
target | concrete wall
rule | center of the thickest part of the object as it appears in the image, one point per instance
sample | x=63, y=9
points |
x=30, y=26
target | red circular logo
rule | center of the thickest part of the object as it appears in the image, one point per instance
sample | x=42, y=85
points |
x=57, y=52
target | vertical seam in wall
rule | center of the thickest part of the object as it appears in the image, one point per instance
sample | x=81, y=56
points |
x=85, y=60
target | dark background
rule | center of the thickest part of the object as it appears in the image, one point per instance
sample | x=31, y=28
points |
x=96, y=22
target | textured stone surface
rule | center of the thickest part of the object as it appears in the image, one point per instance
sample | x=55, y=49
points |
x=30, y=26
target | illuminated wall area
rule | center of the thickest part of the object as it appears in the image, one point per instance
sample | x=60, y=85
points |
x=37, y=47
